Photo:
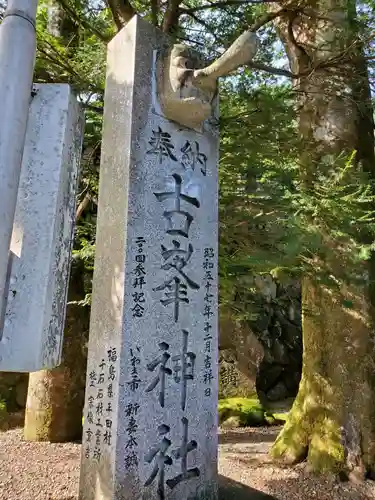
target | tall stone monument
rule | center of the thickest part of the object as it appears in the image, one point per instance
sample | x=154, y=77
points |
x=150, y=419
x=33, y=311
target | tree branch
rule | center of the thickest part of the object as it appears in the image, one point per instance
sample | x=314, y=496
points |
x=223, y=5
x=122, y=12
x=171, y=16
x=81, y=21
x=155, y=7
x=207, y=27
x=83, y=205
x=267, y=18
x=272, y=69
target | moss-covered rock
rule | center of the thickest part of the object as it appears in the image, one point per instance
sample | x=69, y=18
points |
x=246, y=412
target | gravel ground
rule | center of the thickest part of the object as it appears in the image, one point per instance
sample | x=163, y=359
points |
x=43, y=471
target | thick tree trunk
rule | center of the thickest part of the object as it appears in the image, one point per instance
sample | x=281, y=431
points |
x=332, y=422
x=56, y=397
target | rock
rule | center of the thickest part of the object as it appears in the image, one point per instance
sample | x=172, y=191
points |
x=231, y=423
x=232, y=382
x=278, y=392
x=268, y=376
x=268, y=348
x=240, y=356
x=280, y=352
x=21, y=392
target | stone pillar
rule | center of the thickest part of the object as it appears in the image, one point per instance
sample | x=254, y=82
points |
x=150, y=418
x=32, y=322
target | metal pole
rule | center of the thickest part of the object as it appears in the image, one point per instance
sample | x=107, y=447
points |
x=17, y=58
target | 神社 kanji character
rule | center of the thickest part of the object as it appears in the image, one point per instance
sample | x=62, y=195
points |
x=178, y=221
x=191, y=156
x=177, y=258
x=159, y=454
x=181, y=453
x=161, y=361
x=183, y=367
x=161, y=145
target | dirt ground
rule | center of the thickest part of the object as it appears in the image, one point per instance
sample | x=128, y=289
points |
x=43, y=471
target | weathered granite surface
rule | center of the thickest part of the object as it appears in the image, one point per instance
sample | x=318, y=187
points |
x=150, y=415
x=31, y=326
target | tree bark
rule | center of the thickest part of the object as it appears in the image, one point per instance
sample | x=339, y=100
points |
x=332, y=422
x=56, y=397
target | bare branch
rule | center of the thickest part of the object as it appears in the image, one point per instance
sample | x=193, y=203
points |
x=271, y=69
x=186, y=39
x=223, y=5
x=207, y=27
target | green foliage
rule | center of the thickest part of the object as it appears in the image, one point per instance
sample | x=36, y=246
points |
x=3, y=415
x=270, y=221
x=247, y=412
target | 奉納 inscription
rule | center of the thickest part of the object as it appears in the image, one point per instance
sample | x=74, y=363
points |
x=161, y=145
x=192, y=156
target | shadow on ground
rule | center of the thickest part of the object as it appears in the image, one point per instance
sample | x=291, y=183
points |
x=302, y=485
x=231, y=490
x=249, y=436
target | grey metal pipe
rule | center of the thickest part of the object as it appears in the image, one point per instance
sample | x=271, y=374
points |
x=17, y=59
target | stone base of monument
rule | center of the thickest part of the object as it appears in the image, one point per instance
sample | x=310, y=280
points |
x=33, y=313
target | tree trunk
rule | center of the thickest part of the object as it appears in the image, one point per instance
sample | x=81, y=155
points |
x=332, y=422
x=56, y=397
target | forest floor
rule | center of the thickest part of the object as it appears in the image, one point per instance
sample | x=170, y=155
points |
x=43, y=471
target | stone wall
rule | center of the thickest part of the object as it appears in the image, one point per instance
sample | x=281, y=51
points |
x=267, y=349
x=13, y=389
